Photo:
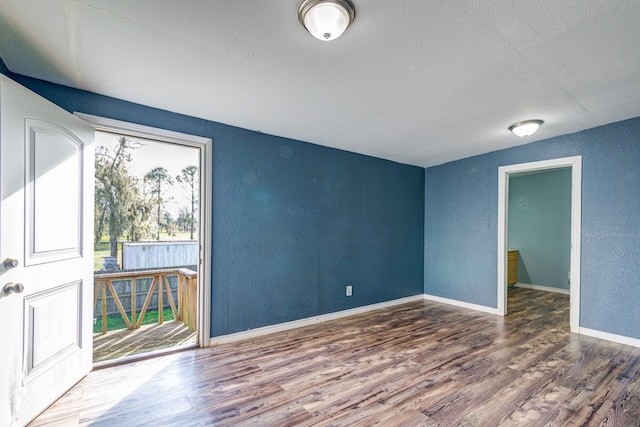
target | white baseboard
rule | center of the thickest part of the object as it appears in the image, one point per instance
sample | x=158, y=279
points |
x=620, y=339
x=462, y=304
x=252, y=333
x=542, y=288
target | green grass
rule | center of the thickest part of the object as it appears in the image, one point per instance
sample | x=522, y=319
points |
x=101, y=251
x=117, y=322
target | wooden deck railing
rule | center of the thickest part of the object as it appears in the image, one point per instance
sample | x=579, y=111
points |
x=185, y=308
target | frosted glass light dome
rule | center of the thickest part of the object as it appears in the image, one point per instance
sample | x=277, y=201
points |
x=526, y=128
x=326, y=19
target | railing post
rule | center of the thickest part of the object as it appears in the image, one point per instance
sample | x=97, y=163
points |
x=180, y=297
x=188, y=295
x=160, y=301
x=134, y=303
x=104, y=307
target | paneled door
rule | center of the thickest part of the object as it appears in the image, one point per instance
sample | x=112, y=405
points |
x=46, y=252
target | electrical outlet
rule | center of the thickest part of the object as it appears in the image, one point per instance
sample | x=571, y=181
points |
x=349, y=290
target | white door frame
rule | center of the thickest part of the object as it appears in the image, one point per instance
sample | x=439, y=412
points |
x=205, y=146
x=575, y=163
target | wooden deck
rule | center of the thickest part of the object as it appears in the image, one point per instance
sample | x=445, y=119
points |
x=147, y=338
x=418, y=364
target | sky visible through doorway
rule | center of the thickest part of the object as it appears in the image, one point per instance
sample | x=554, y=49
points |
x=151, y=154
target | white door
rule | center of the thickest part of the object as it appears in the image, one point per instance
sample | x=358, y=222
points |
x=46, y=217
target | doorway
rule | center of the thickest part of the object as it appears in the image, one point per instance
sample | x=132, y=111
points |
x=162, y=251
x=575, y=164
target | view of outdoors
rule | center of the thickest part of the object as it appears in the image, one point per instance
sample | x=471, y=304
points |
x=145, y=190
x=145, y=241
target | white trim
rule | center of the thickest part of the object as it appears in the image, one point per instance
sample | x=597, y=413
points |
x=206, y=247
x=543, y=288
x=471, y=306
x=142, y=131
x=280, y=327
x=620, y=339
x=206, y=162
x=503, y=221
x=576, y=225
x=576, y=241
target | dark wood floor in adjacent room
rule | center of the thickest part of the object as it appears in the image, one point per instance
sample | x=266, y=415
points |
x=417, y=364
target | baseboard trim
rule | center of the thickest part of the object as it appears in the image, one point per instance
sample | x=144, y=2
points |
x=620, y=339
x=542, y=288
x=253, y=333
x=462, y=304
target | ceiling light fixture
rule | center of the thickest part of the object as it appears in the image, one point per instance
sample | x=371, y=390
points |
x=326, y=19
x=525, y=128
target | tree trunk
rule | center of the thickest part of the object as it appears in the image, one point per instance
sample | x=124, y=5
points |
x=192, y=211
x=114, y=245
x=158, y=238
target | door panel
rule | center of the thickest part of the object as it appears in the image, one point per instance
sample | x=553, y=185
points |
x=53, y=167
x=46, y=213
x=53, y=313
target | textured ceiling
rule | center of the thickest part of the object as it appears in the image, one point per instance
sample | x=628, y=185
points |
x=418, y=82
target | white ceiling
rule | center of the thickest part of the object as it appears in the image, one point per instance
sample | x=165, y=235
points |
x=418, y=82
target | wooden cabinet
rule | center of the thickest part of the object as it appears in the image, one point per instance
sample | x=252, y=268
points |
x=512, y=266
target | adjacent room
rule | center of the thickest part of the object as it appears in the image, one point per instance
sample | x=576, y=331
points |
x=397, y=213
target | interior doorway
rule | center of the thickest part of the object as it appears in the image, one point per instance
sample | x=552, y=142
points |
x=504, y=172
x=149, y=293
x=539, y=230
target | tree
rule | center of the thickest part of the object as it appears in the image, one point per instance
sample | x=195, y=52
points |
x=189, y=179
x=168, y=223
x=157, y=178
x=184, y=219
x=138, y=218
x=116, y=192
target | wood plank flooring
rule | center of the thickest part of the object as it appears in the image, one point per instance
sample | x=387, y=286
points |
x=418, y=364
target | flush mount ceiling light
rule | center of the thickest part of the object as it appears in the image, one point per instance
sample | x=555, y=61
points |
x=326, y=19
x=525, y=128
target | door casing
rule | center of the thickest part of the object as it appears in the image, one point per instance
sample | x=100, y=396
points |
x=575, y=163
x=205, y=221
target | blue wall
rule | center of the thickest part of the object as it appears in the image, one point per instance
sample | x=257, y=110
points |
x=461, y=200
x=460, y=231
x=540, y=226
x=3, y=68
x=293, y=223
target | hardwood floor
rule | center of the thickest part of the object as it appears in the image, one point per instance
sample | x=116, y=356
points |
x=418, y=364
